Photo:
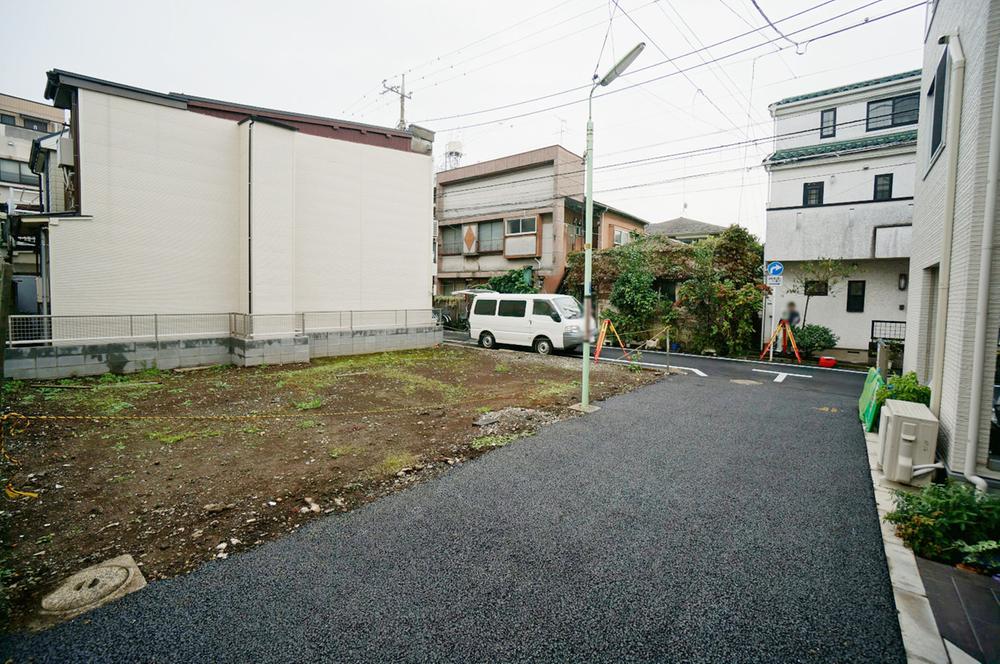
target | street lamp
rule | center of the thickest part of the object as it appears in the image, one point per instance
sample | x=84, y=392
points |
x=614, y=73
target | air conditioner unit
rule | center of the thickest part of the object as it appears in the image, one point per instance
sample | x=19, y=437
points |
x=65, y=150
x=907, y=439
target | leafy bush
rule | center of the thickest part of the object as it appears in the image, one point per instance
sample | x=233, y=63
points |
x=511, y=281
x=938, y=521
x=636, y=301
x=984, y=555
x=904, y=388
x=813, y=338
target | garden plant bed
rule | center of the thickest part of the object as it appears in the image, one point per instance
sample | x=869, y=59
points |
x=175, y=492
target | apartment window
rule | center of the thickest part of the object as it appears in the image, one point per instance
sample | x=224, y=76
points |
x=883, y=187
x=512, y=308
x=520, y=226
x=828, y=123
x=485, y=307
x=621, y=237
x=894, y=112
x=451, y=240
x=812, y=194
x=816, y=288
x=490, y=236
x=937, y=101
x=855, y=296
x=35, y=124
x=7, y=119
x=17, y=172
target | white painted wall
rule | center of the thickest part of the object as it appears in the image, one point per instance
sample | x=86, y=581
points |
x=845, y=179
x=161, y=185
x=883, y=300
x=335, y=225
x=797, y=124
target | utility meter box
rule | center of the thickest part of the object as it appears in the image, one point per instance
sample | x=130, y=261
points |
x=907, y=440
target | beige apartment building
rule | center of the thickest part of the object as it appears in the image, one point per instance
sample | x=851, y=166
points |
x=523, y=211
x=953, y=310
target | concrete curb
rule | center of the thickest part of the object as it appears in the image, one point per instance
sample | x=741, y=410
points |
x=921, y=638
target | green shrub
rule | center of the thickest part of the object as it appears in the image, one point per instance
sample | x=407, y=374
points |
x=813, y=338
x=512, y=281
x=939, y=520
x=984, y=555
x=904, y=388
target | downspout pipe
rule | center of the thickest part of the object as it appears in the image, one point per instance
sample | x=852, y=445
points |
x=983, y=291
x=956, y=88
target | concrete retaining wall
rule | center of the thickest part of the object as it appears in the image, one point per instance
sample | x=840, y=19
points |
x=48, y=362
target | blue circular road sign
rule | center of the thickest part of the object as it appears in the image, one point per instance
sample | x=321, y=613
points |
x=775, y=268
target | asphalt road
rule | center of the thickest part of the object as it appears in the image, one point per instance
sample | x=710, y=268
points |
x=809, y=378
x=692, y=520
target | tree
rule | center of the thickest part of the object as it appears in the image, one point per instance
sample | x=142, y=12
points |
x=512, y=281
x=819, y=277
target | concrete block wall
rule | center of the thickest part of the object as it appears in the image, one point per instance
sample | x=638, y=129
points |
x=51, y=362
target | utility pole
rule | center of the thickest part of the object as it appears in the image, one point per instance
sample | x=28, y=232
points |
x=401, y=91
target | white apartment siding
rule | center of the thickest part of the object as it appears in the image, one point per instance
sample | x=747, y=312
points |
x=496, y=194
x=883, y=301
x=978, y=25
x=161, y=186
x=844, y=180
x=175, y=195
x=797, y=124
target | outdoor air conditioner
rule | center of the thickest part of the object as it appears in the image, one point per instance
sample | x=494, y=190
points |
x=65, y=150
x=907, y=438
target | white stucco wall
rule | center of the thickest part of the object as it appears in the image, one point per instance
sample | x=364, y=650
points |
x=883, y=300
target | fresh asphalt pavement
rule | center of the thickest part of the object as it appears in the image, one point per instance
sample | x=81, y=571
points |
x=843, y=382
x=693, y=520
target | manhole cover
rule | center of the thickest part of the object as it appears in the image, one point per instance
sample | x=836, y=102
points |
x=94, y=586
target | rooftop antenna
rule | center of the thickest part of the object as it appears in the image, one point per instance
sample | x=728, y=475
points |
x=401, y=91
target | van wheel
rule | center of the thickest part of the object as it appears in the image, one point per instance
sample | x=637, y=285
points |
x=486, y=340
x=543, y=346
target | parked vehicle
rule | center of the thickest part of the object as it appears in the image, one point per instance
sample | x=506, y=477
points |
x=542, y=322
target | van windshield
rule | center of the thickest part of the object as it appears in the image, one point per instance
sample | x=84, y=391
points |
x=569, y=306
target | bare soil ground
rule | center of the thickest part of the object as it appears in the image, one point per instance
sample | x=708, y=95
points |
x=176, y=491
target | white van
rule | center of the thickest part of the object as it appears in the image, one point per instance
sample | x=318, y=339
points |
x=543, y=322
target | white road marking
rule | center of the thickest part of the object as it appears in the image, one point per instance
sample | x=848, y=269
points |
x=696, y=372
x=780, y=376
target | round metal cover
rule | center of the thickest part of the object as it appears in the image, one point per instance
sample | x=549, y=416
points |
x=86, y=588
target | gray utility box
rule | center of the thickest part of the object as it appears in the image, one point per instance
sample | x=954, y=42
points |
x=907, y=439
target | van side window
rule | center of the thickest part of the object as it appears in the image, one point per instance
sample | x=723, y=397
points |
x=486, y=307
x=541, y=308
x=512, y=308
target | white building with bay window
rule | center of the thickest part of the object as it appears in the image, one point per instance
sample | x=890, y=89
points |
x=841, y=187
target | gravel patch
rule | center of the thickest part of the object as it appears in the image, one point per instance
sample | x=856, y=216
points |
x=691, y=520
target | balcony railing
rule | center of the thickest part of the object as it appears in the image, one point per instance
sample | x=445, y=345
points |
x=38, y=329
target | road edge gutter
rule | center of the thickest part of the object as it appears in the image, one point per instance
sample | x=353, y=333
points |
x=921, y=639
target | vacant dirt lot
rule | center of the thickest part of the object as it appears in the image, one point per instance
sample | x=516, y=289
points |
x=157, y=479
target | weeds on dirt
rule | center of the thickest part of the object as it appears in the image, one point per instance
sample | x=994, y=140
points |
x=393, y=463
x=311, y=404
x=308, y=424
x=168, y=438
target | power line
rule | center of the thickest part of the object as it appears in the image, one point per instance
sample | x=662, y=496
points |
x=548, y=200
x=655, y=159
x=773, y=27
x=679, y=70
x=683, y=55
x=695, y=66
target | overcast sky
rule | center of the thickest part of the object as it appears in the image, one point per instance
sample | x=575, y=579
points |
x=464, y=56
